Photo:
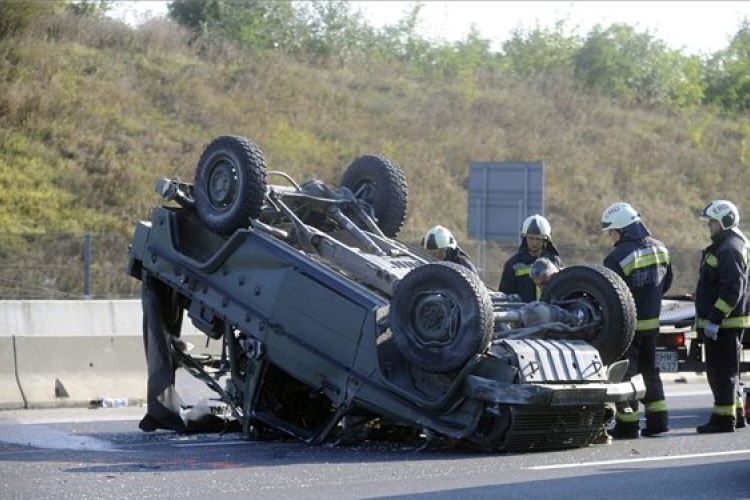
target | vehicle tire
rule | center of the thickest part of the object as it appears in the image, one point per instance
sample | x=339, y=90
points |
x=440, y=316
x=381, y=184
x=230, y=184
x=606, y=296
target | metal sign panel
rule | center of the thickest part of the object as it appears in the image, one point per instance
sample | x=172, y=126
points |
x=501, y=196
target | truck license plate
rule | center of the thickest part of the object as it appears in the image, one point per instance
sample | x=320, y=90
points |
x=667, y=361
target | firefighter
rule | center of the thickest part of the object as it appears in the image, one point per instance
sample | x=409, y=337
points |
x=644, y=263
x=441, y=244
x=536, y=241
x=721, y=308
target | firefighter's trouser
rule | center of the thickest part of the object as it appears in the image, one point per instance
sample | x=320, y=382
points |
x=723, y=369
x=641, y=356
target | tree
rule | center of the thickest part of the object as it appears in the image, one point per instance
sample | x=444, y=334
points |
x=257, y=24
x=15, y=16
x=195, y=14
x=462, y=60
x=538, y=50
x=635, y=68
x=91, y=8
x=328, y=30
x=728, y=73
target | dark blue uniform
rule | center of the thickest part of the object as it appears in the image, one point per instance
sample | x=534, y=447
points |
x=721, y=297
x=516, y=278
x=644, y=263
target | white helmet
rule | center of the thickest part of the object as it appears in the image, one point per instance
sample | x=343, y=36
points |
x=438, y=237
x=723, y=211
x=536, y=224
x=618, y=216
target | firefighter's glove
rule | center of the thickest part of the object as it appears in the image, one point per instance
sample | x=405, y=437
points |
x=711, y=331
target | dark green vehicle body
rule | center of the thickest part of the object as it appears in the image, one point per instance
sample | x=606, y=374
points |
x=310, y=346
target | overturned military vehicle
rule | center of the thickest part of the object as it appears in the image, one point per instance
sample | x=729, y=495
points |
x=328, y=322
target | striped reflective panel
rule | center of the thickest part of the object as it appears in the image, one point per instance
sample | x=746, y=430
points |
x=724, y=410
x=627, y=417
x=647, y=324
x=656, y=406
x=522, y=269
x=713, y=261
x=738, y=322
x=722, y=306
x=644, y=257
x=538, y=294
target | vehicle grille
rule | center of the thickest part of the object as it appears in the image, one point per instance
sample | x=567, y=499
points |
x=553, y=428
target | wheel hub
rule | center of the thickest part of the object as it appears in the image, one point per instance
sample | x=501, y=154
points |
x=433, y=319
x=222, y=185
x=582, y=313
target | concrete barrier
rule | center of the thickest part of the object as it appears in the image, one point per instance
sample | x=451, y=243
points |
x=67, y=353
x=72, y=371
x=10, y=393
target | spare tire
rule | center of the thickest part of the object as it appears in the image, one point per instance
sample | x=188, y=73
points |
x=597, y=293
x=381, y=185
x=441, y=315
x=230, y=184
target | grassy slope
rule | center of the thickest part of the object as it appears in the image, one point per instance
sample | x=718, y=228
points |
x=91, y=116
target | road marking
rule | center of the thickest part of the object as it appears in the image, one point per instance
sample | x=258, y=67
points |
x=637, y=460
x=687, y=393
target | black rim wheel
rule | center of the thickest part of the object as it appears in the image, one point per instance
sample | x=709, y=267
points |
x=441, y=315
x=380, y=185
x=597, y=294
x=222, y=184
x=230, y=184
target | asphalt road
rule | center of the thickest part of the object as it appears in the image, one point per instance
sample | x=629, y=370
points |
x=92, y=454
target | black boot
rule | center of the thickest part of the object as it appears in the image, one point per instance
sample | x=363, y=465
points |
x=656, y=423
x=717, y=423
x=624, y=430
x=741, y=421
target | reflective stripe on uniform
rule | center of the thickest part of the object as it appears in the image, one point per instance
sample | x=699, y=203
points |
x=628, y=417
x=736, y=322
x=656, y=406
x=538, y=293
x=711, y=260
x=722, y=306
x=724, y=410
x=739, y=404
x=522, y=270
x=646, y=324
x=644, y=257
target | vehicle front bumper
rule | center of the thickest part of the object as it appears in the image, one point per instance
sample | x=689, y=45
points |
x=558, y=394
